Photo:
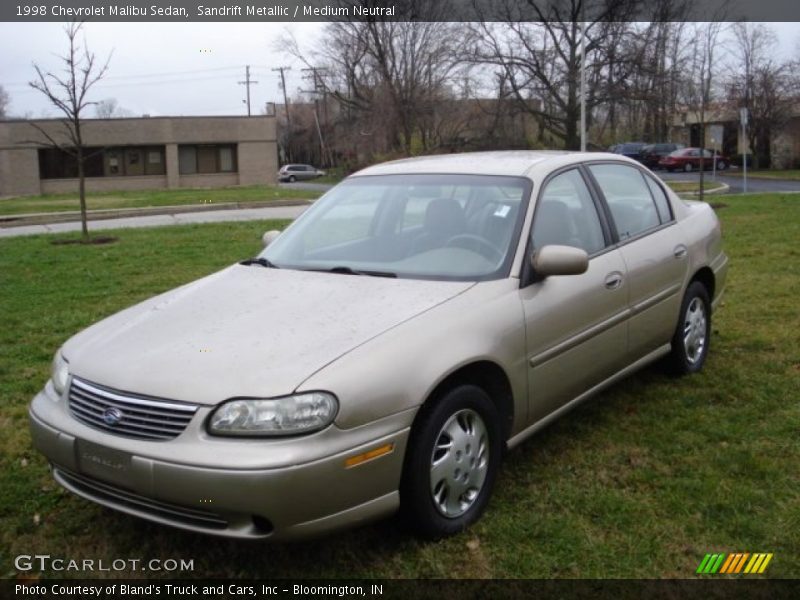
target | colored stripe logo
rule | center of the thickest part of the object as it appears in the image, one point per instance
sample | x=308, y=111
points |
x=734, y=563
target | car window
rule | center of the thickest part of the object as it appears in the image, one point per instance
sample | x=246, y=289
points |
x=348, y=221
x=428, y=226
x=628, y=198
x=566, y=215
x=660, y=197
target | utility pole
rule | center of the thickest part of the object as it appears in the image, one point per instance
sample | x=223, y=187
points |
x=248, y=82
x=286, y=108
x=319, y=89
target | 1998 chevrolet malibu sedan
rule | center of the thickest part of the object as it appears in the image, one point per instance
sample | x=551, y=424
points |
x=384, y=351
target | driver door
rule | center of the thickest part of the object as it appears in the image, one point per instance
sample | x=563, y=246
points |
x=576, y=325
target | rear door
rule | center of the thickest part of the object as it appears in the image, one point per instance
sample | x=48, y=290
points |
x=576, y=329
x=652, y=247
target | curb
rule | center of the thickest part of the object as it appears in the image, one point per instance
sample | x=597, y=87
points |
x=113, y=213
x=720, y=189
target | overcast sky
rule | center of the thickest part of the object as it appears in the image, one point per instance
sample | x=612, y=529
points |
x=159, y=68
x=180, y=68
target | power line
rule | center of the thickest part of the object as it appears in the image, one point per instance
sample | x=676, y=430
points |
x=144, y=75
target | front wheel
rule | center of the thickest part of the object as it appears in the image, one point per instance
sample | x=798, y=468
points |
x=688, y=167
x=693, y=332
x=452, y=462
x=292, y=179
x=721, y=165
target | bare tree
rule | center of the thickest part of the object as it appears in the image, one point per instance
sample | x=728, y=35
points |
x=387, y=74
x=542, y=60
x=705, y=65
x=68, y=92
x=110, y=109
x=767, y=87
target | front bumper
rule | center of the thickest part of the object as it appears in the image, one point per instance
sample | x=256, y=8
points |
x=280, y=489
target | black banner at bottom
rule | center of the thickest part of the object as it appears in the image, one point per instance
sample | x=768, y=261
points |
x=440, y=589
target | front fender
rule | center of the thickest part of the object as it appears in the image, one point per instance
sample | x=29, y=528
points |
x=399, y=369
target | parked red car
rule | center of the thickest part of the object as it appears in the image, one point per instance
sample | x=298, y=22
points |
x=688, y=159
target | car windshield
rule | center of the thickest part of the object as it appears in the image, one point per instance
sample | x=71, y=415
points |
x=451, y=227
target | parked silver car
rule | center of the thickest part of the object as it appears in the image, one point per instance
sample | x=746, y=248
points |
x=384, y=350
x=292, y=173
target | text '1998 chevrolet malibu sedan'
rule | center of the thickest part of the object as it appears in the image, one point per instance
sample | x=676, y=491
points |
x=384, y=351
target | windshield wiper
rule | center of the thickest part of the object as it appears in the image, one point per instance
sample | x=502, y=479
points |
x=351, y=271
x=258, y=260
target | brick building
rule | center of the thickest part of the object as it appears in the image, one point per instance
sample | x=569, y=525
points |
x=140, y=153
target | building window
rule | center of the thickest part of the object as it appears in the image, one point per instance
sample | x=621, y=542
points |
x=55, y=163
x=187, y=160
x=226, y=159
x=207, y=158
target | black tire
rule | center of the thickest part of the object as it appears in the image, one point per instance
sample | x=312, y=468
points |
x=722, y=165
x=460, y=408
x=687, y=357
x=292, y=179
x=688, y=167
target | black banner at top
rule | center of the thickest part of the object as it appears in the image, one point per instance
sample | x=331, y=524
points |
x=398, y=10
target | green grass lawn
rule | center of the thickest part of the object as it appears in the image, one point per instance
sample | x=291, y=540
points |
x=143, y=198
x=792, y=174
x=641, y=482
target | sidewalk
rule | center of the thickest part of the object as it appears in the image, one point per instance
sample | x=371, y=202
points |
x=211, y=213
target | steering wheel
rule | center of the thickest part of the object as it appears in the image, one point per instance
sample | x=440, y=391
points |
x=470, y=241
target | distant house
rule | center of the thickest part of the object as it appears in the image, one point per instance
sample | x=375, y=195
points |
x=140, y=153
x=784, y=144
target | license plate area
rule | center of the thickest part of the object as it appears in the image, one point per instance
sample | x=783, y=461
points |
x=104, y=463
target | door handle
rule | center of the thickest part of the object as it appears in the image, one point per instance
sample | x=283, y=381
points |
x=680, y=251
x=613, y=280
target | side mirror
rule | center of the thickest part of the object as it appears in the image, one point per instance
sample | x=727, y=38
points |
x=559, y=260
x=269, y=237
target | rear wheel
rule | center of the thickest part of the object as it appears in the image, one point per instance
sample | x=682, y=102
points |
x=451, y=463
x=693, y=332
x=688, y=167
x=722, y=165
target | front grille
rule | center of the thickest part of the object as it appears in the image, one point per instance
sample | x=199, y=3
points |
x=129, y=502
x=123, y=414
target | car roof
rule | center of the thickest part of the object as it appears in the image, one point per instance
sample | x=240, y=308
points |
x=506, y=162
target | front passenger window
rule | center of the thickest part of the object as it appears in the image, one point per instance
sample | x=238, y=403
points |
x=566, y=215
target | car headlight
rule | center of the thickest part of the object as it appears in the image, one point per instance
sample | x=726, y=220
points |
x=300, y=413
x=59, y=373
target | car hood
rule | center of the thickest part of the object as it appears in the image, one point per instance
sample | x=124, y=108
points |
x=245, y=331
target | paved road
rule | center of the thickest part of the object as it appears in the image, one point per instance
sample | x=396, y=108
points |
x=215, y=216
x=735, y=182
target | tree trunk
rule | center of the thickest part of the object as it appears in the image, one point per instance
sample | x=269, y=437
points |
x=82, y=194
